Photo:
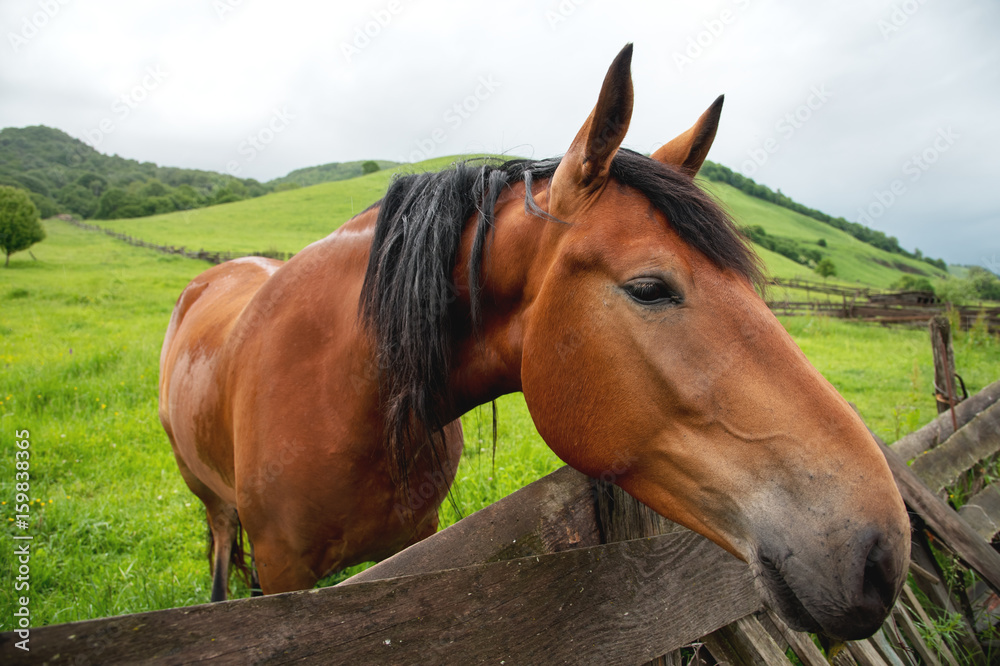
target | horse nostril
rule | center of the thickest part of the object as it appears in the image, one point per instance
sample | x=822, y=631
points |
x=880, y=578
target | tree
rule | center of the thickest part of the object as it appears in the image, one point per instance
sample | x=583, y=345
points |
x=370, y=166
x=826, y=268
x=19, y=225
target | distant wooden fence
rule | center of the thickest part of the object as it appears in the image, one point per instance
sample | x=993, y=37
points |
x=878, y=306
x=565, y=570
x=211, y=257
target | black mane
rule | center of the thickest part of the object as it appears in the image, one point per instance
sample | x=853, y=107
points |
x=408, y=290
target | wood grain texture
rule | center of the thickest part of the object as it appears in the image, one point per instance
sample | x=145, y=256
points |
x=943, y=520
x=620, y=603
x=553, y=514
x=975, y=441
x=982, y=511
x=865, y=653
x=745, y=643
x=909, y=629
x=801, y=643
x=940, y=429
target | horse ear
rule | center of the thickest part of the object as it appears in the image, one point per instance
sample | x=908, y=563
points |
x=687, y=152
x=584, y=168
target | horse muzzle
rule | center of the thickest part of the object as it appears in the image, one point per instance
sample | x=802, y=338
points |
x=845, y=593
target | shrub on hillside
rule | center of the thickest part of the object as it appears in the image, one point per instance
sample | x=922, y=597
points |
x=19, y=223
x=913, y=283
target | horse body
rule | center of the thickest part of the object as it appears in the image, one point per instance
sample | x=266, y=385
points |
x=270, y=401
x=304, y=398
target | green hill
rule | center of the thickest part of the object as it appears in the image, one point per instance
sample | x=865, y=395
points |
x=288, y=221
x=66, y=175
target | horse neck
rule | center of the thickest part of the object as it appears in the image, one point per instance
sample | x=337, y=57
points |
x=487, y=363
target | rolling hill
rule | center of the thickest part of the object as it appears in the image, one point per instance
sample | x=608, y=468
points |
x=288, y=221
x=66, y=175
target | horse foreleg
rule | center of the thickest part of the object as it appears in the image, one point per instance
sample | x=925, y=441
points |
x=224, y=525
x=255, y=590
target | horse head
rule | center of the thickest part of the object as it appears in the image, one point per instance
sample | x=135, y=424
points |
x=646, y=349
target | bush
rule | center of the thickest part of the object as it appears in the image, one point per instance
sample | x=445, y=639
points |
x=826, y=268
x=19, y=224
x=955, y=291
x=913, y=283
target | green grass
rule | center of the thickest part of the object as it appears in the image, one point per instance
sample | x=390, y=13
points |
x=116, y=531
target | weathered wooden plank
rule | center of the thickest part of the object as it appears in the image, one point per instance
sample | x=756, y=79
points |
x=801, y=643
x=944, y=364
x=893, y=639
x=938, y=430
x=978, y=439
x=885, y=649
x=941, y=603
x=865, y=653
x=939, y=644
x=913, y=636
x=620, y=603
x=982, y=511
x=553, y=514
x=943, y=520
x=745, y=643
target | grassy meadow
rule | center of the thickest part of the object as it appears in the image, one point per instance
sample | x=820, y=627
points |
x=115, y=529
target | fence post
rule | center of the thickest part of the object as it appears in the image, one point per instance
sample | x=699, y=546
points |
x=944, y=363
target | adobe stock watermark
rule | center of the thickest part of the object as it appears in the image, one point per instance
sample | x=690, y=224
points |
x=898, y=17
x=561, y=12
x=915, y=167
x=124, y=104
x=372, y=28
x=258, y=142
x=225, y=7
x=453, y=118
x=786, y=126
x=35, y=22
x=704, y=39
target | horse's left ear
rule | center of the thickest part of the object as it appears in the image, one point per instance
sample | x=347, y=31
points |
x=688, y=151
x=584, y=168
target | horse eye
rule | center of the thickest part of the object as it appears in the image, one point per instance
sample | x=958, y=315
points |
x=648, y=291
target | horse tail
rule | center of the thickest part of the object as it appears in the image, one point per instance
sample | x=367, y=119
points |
x=238, y=557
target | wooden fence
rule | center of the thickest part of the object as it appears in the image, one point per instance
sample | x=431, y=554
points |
x=569, y=570
x=211, y=257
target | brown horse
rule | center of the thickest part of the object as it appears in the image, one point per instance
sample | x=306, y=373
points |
x=315, y=401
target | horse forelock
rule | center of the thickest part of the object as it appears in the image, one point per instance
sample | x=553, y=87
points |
x=408, y=293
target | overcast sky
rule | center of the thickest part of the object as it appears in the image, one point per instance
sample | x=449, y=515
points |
x=885, y=108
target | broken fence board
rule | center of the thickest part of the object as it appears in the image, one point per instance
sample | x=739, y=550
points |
x=977, y=440
x=801, y=643
x=943, y=520
x=553, y=514
x=982, y=511
x=865, y=653
x=913, y=637
x=912, y=445
x=745, y=643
